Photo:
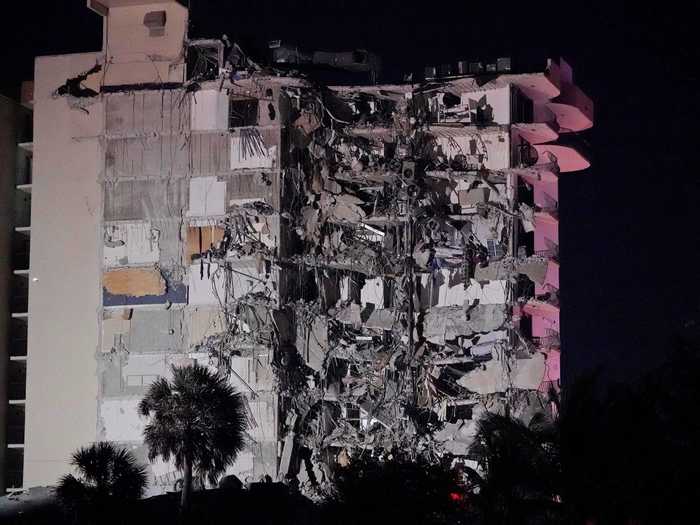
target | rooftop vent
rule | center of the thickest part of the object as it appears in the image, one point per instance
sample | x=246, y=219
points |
x=155, y=22
x=503, y=64
x=476, y=68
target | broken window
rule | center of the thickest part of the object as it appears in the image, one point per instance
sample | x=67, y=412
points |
x=526, y=241
x=155, y=22
x=525, y=155
x=355, y=416
x=456, y=413
x=495, y=248
x=522, y=107
x=243, y=112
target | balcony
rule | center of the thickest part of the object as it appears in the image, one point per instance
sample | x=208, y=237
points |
x=572, y=109
x=537, y=86
x=545, y=317
x=19, y=298
x=20, y=251
x=536, y=132
x=566, y=157
x=14, y=465
x=17, y=380
x=15, y=425
x=567, y=109
x=550, y=216
x=18, y=339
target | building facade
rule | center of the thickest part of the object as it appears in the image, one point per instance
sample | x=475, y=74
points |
x=15, y=205
x=373, y=266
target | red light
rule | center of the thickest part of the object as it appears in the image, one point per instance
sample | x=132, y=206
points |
x=456, y=496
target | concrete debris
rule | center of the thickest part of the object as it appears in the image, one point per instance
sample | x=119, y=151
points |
x=308, y=122
x=456, y=437
x=349, y=314
x=527, y=216
x=381, y=320
x=353, y=257
x=503, y=373
x=473, y=197
x=534, y=267
x=445, y=323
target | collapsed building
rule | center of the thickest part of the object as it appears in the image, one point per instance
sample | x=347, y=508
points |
x=374, y=266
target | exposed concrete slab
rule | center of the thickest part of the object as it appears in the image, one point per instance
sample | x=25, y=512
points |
x=446, y=323
x=132, y=243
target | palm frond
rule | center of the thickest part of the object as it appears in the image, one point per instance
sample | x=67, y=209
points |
x=104, y=471
x=196, y=414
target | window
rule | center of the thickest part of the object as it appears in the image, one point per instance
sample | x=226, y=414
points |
x=155, y=22
x=522, y=107
x=495, y=248
x=140, y=380
x=356, y=416
x=243, y=112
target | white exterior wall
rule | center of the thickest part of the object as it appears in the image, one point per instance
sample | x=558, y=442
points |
x=64, y=297
x=136, y=57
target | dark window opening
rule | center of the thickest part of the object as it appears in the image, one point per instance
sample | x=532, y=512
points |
x=14, y=468
x=19, y=290
x=525, y=327
x=16, y=380
x=522, y=108
x=18, y=337
x=526, y=241
x=457, y=412
x=15, y=424
x=526, y=193
x=243, y=112
x=20, y=251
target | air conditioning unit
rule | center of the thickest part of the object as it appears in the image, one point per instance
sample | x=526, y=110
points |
x=445, y=70
x=475, y=68
x=503, y=64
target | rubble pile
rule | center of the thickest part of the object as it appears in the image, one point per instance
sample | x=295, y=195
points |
x=406, y=272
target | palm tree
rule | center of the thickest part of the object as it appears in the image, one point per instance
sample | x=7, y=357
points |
x=108, y=477
x=396, y=490
x=522, y=474
x=196, y=418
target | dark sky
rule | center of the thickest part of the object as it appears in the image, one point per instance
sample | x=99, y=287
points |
x=628, y=231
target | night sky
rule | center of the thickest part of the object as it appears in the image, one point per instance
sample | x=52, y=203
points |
x=628, y=231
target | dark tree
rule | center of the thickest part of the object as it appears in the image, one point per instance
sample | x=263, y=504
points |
x=521, y=479
x=399, y=490
x=108, y=480
x=198, y=419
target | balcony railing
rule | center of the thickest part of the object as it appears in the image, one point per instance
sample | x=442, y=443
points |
x=548, y=254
